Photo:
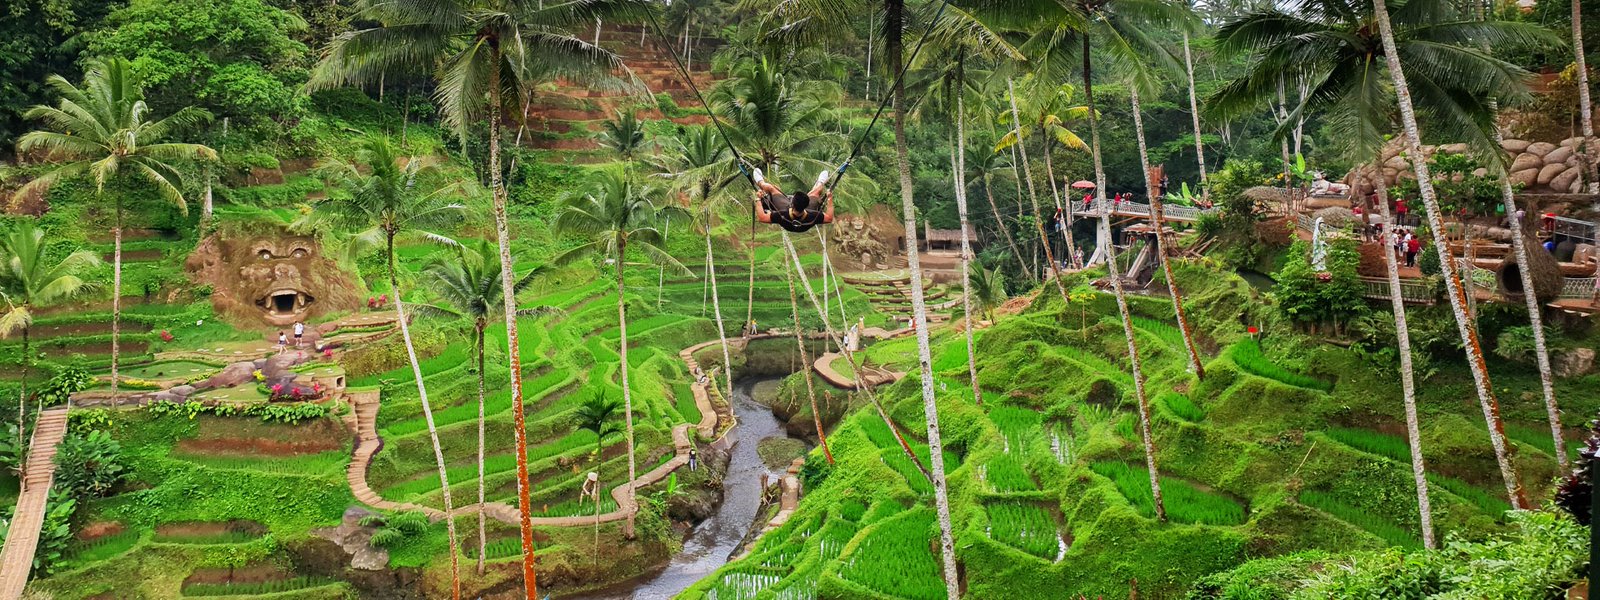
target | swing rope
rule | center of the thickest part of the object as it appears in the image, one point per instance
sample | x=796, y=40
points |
x=855, y=148
x=850, y=356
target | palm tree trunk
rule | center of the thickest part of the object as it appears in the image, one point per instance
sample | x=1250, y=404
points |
x=427, y=414
x=1535, y=318
x=959, y=157
x=116, y=297
x=1194, y=113
x=483, y=531
x=508, y=287
x=1034, y=273
x=1027, y=173
x=1005, y=229
x=627, y=394
x=1453, y=285
x=1419, y=471
x=805, y=365
x=1158, y=219
x=919, y=308
x=1122, y=298
x=1585, y=108
x=22, y=397
x=716, y=308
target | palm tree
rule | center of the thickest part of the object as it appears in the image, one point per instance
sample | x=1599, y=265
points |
x=988, y=289
x=1047, y=110
x=29, y=279
x=595, y=415
x=1585, y=108
x=1335, y=43
x=985, y=167
x=1453, y=286
x=1157, y=220
x=775, y=122
x=1027, y=175
x=699, y=162
x=1408, y=386
x=614, y=216
x=104, y=131
x=623, y=136
x=469, y=283
x=477, y=50
x=1194, y=114
x=386, y=196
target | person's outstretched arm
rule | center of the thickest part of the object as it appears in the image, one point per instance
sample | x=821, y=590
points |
x=762, y=214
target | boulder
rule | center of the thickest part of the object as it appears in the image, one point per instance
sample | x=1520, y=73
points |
x=183, y=390
x=1573, y=141
x=1549, y=172
x=1565, y=179
x=231, y=375
x=1559, y=155
x=1525, y=177
x=1526, y=160
x=1453, y=148
x=1583, y=253
x=1541, y=148
x=1480, y=172
x=1572, y=363
x=1398, y=163
x=1514, y=146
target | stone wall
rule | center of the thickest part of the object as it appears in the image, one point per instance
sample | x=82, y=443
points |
x=1539, y=167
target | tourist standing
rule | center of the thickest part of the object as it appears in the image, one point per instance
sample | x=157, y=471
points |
x=299, y=334
x=1413, y=246
x=1400, y=211
x=283, y=342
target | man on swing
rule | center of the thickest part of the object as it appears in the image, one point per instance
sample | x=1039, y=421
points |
x=794, y=213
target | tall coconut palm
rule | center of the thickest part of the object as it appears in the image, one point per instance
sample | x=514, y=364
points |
x=1335, y=43
x=1453, y=286
x=1158, y=221
x=480, y=51
x=1585, y=107
x=1033, y=197
x=596, y=414
x=1047, y=109
x=1194, y=115
x=468, y=284
x=614, y=216
x=775, y=121
x=1408, y=386
x=386, y=197
x=698, y=162
x=105, y=132
x=31, y=278
x=623, y=136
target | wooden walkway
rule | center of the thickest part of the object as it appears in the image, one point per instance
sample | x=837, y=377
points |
x=16, y=560
x=364, y=415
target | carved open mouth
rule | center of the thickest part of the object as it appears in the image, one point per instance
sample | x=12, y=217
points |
x=285, y=303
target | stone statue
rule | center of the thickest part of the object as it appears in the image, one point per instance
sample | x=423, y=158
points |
x=1320, y=186
x=277, y=279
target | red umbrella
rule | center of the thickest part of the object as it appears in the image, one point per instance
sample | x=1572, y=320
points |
x=1083, y=184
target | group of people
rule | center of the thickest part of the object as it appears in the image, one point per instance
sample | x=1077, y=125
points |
x=1406, y=245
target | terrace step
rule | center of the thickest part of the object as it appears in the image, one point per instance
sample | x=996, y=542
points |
x=16, y=559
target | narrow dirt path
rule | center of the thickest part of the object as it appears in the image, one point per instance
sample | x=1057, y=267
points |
x=16, y=559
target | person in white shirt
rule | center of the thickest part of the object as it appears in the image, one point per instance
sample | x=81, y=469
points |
x=299, y=334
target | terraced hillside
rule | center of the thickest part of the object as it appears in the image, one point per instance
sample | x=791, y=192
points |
x=1048, y=487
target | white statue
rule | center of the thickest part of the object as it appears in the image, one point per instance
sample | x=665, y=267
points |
x=1320, y=186
x=1319, y=247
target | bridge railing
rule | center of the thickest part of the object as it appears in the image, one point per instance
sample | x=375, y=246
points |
x=1140, y=209
x=1413, y=291
x=1581, y=288
x=1574, y=228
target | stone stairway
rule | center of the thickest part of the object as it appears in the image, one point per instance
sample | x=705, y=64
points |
x=16, y=559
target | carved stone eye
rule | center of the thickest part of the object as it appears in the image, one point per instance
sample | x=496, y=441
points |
x=300, y=253
x=264, y=254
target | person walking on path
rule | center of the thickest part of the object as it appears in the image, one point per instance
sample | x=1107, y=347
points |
x=283, y=342
x=1413, y=246
x=299, y=334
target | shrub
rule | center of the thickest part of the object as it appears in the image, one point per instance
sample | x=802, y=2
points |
x=89, y=465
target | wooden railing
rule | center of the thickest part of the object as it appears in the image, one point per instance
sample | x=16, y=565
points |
x=1412, y=291
x=1170, y=212
x=1574, y=228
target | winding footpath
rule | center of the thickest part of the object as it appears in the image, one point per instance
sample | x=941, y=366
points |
x=16, y=560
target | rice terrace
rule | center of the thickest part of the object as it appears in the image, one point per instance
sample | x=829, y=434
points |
x=798, y=300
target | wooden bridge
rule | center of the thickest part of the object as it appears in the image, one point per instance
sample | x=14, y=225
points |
x=16, y=560
x=1169, y=212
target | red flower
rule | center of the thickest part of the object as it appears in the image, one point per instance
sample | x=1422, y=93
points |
x=166, y=336
x=277, y=387
x=327, y=352
x=1252, y=329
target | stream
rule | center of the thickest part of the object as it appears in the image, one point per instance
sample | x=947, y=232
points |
x=708, y=546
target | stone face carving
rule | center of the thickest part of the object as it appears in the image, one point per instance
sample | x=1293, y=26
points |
x=1540, y=167
x=272, y=279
